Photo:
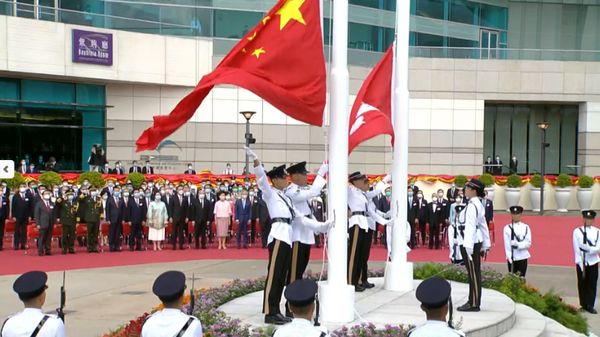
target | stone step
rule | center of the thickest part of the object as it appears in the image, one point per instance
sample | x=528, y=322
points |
x=528, y=323
x=555, y=329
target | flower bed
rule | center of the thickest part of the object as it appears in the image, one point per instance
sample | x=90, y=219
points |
x=216, y=323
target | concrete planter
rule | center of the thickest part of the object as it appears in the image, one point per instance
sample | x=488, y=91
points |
x=584, y=197
x=562, y=196
x=490, y=193
x=534, y=196
x=512, y=196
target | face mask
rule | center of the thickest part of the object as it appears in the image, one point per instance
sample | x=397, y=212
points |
x=162, y=192
x=187, y=194
x=388, y=194
x=207, y=190
x=46, y=196
x=150, y=184
x=111, y=185
x=227, y=198
x=458, y=200
x=137, y=195
x=94, y=193
x=22, y=189
x=251, y=194
x=84, y=192
x=126, y=194
x=440, y=195
x=86, y=183
x=148, y=195
x=222, y=198
x=69, y=197
x=419, y=196
x=65, y=183
x=435, y=199
x=34, y=187
x=201, y=196
x=222, y=188
x=55, y=190
x=105, y=197
x=117, y=194
x=157, y=198
x=23, y=163
x=189, y=167
x=410, y=194
x=180, y=192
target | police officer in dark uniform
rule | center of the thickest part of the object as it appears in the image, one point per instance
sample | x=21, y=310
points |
x=31, y=288
x=301, y=295
x=69, y=208
x=171, y=321
x=434, y=295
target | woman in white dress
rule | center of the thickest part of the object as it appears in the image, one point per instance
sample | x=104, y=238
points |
x=157, y=221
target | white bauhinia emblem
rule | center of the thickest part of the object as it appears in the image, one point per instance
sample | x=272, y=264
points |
x=360, y=119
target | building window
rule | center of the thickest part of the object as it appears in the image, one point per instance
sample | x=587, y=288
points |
x=511, y=130
x=433, y=9
x=464, y=12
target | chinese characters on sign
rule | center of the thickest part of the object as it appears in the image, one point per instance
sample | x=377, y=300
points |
x=92, y=47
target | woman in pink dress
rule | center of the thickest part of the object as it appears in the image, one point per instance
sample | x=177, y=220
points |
x=222, y=215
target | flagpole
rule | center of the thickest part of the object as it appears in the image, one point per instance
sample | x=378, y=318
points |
x=398, y=271
x=336, y=296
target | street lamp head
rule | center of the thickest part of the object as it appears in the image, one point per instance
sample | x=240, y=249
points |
x=247, y=114
x=543, y=125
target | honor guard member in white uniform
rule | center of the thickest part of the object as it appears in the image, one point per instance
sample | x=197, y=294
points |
x=171, y=321
x=32, y=321
x=434, y=295
x=517, y=240
x=302, y=236
x=301, y=295
x=586, y=246
x=475, y=241
x=358, y=225
x=282, y=213
x=454, y=235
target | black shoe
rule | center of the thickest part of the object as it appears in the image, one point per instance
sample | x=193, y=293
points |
x=368, y=285
x=48, y=253
x=591, y=310
x=468, y=308
x=71, y=251
x=131, y=249
x=277, y=319
x=41, y=254
x=64, y=252
x=359, y=288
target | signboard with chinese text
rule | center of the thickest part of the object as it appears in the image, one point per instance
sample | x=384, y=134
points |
x=92, y=47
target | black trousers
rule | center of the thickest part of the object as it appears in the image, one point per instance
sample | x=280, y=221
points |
x=299, y=258
x=252, y=230
x=200, y=233
x=423, y=234
x=277, y=271
x=2, y=222
x=45, y=239
x=356, y=250
x=413, y=235
x=473, y=266
x=114, y=235
x=242, y=233
x=135, y=238
x=518, y=267
x=434, y=235
x=68, y=237
x=178, y=229
x=265, y=228
x=20, y=238
x=92, y=236
x=586, y=285
x=364, y=269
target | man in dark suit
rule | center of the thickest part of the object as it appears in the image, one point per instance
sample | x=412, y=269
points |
x=21, y=211
x=497, y=166
x=202, y=218
x=243, y=214
x=412, y=212
x=105, y=169
x=383, y=204
x=23, y=168
x=178, y=215
x=421, y=215
x=254, y=204
x=114, y=214
x=190, y=169
x=489, y=209
x=487, y=165
x=435, y=219
x=318, y=209
x=135, y=168
x=44, y=215
x=264, y=220
x=138, y=209
x=452, y=193
x=514, y=164
x=118, y=168
x=4, y=210
x=148, y=169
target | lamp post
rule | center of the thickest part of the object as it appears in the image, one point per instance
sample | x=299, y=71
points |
x=248, y=136
x=543, y=126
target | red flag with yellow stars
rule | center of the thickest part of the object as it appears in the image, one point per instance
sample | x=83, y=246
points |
x=280, y=60
x=371, y=113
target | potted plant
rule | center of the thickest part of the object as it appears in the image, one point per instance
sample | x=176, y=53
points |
x=534, y=193
x=513, y=190
x=562, y=193
x=584, y=192
x=136, y=179
x=94, y=178
x=50, y=179
x=460, y=181
x=489, y=181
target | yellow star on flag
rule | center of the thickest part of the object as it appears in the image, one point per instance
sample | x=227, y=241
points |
x=290, y=11
x=265, y=19
x=250, y=38
x=258, y=52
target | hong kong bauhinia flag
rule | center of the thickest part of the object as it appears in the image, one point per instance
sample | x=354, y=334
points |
x=371, y=113
x=280, y=60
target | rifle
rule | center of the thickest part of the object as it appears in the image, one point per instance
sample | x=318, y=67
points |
x=317, y=310
x=63, y=298
x=192, y=297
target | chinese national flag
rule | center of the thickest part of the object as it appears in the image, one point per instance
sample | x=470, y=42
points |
x=280, y=60
x=371, y=113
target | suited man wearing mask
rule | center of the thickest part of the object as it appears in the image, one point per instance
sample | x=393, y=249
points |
x=21, y=210
x=488, y=165
x=135, y=168
x=118, y=168
x=178, y=217
x=497, y=166
x=421, y=215
x=514, y=164
x=44, y=217
x=435, y=219
x=114, y=215
x=202, y=218
x=452, y=193
x=243, y=214
x=190, y=169
x=148, y=169
x=412, y=213
x=4, y=210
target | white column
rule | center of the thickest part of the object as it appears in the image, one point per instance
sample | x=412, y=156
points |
x=336, y=296
x=399, y=272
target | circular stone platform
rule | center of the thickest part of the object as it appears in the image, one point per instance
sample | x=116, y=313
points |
x=498, y=316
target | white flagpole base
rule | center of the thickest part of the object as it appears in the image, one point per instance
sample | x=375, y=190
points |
x=336, y=303
x=398, y=276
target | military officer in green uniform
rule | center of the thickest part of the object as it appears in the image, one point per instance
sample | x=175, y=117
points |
x=68, y=218
x=93, y=210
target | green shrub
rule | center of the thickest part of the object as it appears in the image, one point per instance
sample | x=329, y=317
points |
x=564, y=180
x=514, y=181
x=95, y=179
x=535, y=180
x=487, y=179
x=460, y=180
x=585, y=182
x=15, y=181
x=50, y=179
x=136, y=179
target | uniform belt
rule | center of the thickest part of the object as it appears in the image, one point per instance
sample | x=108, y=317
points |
x=359, y=213
x=284, y=220
x=461, y=228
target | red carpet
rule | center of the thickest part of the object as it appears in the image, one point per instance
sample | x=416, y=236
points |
x=551, y=246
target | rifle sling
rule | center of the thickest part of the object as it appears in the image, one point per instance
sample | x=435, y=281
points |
x=39, y=326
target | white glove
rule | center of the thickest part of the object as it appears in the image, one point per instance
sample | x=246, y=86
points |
x=585, y=247
x=251, y=154
x=386, y=222
x=469, y=250
x=514, y=242
x=323, y=170
x=387, y=179
x=509, y=260
x=454, y=241
x=327, y=226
